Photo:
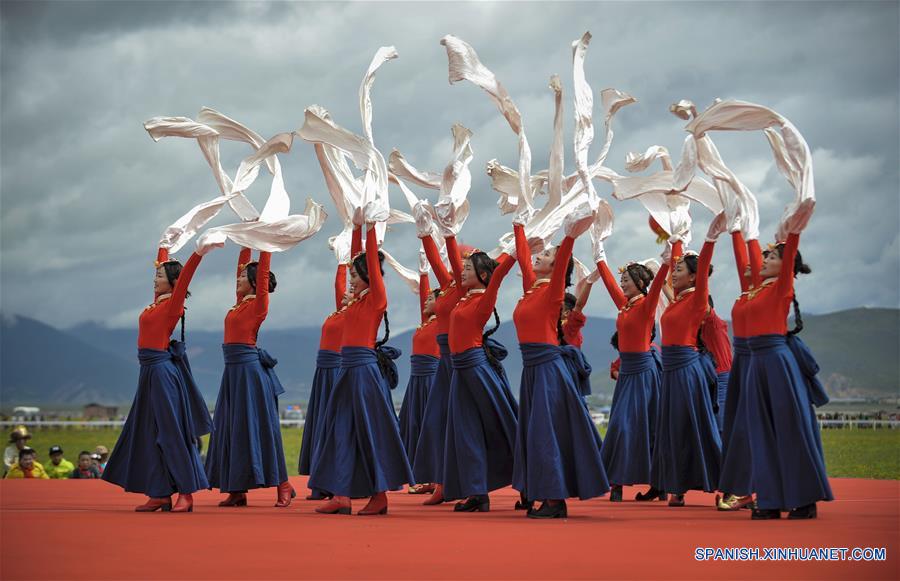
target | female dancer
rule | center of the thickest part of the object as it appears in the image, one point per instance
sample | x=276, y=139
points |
x=155, y=453
x=736, y=479
x=429, y=457
x=687, y=452
x=714, y=334
x=631, y=435
x=328, y=363
x=423, y=366
x=556, y=455
x=245, y=449
x=361, y=453
x=788, y=465
x=481, y=415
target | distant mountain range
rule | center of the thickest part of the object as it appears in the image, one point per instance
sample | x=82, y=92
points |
x=41, y=365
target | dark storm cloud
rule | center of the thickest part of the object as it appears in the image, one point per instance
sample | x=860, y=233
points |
x=85, y=192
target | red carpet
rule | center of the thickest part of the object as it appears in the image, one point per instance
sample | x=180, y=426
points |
x=87, y=530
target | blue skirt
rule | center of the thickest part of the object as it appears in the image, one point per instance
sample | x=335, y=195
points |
x=360, y=453
x=481, y=428
x=556, y=453
x=721, y=392
x=428, y=460
x=328, y=363
x=628, y=446
x=412, y=411
x=245, y=449
x=687, y=454
x=156, y=453
x=786, y=447
x=737, y=474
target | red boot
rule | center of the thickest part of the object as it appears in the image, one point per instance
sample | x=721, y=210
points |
x=285, y=494
x=377, y=505
x=337, y=505
x=185, y=503
x=437, y=497
x=235, y=499
x=154, y=504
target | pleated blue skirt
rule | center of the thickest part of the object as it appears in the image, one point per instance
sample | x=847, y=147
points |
x=687, y=453
x=786, y=447
x=556, y=453
x=361, y=453
x=245, y=449
x=481, y=428
x=328, y=364
x=737, y=474
x=630, y=437
x=412, y=410
x=156, y=453
x=428, y=460
x=721, y=393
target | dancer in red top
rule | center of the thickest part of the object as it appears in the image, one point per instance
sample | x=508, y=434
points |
x=361, y=453
x=245, y=449
x=687, y=451
x=557, y=455
x=155, y=453
x=328, y=364
x=628, y=446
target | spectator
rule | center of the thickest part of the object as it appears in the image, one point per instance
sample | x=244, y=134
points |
x=19, y=441
x=103, y=452
x=59, y=467
x=86, y=467
x=26, y=467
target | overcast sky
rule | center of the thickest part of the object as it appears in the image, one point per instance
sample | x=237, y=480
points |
x=86, y=193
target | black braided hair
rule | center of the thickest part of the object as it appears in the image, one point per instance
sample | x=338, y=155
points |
x=614, y=340
x=387, y=332
x=569, y=302
x=798, y=319
x=560, y=335
x=172, y=269
x=384, y=361
x=800, y=267
x=569, y=270
x=251, y=276
x=362, y=267
x=487, y=351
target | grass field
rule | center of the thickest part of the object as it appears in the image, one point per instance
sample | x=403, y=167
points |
x=848, y=453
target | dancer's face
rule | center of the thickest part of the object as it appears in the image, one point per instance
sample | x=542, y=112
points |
x=771, y=266
x=629, y=289
x=243, y=286
x=543, y=263
x=161, y=284
x=429, y=305
x=682, y=277
x=469, y=276
x=357, y=284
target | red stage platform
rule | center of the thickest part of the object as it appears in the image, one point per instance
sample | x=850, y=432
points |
x=87, y=530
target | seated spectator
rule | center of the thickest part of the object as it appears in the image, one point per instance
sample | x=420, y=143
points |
x=86, y=467
x=103, y=452
x=18, y=439
x=58, y=467
x=27, y=467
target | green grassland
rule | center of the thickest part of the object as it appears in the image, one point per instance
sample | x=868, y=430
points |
x=848, y=453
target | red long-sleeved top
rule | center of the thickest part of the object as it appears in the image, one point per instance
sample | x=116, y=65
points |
x=572, y=326
x=449, y=283
x=636, y=317
x=768, y=305
x=744, y=255
x=333, y=327
x=537, y=313
x=425, y=337
x=681, y=320
x=157, y=321
x=243, y=321
x=363, y=316
x=714, y=333
x=474, y=309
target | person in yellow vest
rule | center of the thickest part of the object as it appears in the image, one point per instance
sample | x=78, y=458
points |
x=27, y=467
x=58, y=467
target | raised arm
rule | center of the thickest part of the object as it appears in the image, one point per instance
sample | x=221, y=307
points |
x=424, y=289
x=243, y=259
x=701, y=283
x=755, y=261
x=376, y=281
x=356, y=242
x=741, y=259
x=612, y=287
x=434, y=259
x=261, y=303
x=523, y=257
x=659, y=281
x=340, y=285
x=560, y=265
x=455, y=259
x=489, y=300
x=179, y=293
x=785, y=283
x=583, y=291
